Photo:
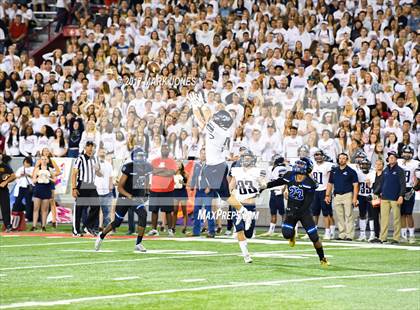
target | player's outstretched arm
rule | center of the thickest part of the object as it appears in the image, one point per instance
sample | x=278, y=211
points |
x=201, y=114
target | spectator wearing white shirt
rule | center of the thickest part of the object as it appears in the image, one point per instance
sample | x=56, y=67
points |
x=292, y=34
x=59, y=145
x=291, y=144
x=237, y=107
x=23, y=192
x=12, y=144
x=328, y=144
x=104, y=186
x=204, y=35
x=45, y=138
x=341, y=31
x=257, y=143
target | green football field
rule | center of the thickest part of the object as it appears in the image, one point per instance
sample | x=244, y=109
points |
x=59, y=272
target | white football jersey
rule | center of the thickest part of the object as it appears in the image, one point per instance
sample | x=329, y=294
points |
x=410, y=170
x=321, y=174
x=247, y=185
x=366, y=181
x=217, y=141
x=274, y=174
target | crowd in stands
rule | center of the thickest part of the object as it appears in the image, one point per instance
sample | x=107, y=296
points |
x=290, y=73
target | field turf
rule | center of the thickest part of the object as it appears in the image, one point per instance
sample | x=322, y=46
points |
x=56, y=271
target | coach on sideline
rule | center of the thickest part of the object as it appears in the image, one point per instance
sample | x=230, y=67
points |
x=84, y=191
x=392, y=197
x=346, y=187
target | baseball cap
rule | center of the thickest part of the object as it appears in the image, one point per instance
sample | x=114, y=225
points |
x=392, y=153
x=89, y=143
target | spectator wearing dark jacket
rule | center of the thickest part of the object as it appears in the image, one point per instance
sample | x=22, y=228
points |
x=376, y=204
x=203, y=195
x=392, y=196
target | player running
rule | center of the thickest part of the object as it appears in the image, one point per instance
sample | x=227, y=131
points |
x=276, y=203
x=409, y=165
x=301, y=191
x=218, y=130
x=245, y=186
x=366, y=177
x=321, y=174
x=132, y=188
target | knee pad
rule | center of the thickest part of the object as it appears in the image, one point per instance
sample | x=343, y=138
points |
x=313, y=234
x=117, y=222
x=288, y=231
x=142, y=215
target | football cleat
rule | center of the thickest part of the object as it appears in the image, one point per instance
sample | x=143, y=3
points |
x=248, y=259
x=292, y=241
x=412, y=240
x=153, y=232
x=228, y=233
x=404, y=239
x=267, y=234
x=98, y=243
x=140, y=248
x=324, y=262
x=362, y=237
x=90, y=231
x=171, y=233
x=326, y=237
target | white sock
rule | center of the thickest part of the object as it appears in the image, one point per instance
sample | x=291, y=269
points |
x=371, y=225
x=327, y=231
x=404, y=232
x=362, y=226
x=332, y=228
x=244, y=247
x=272, y=227
x=411, y=231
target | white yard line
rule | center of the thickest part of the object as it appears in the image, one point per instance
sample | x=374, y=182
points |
x=193, y=280
x=125, y=278
x=273, y=242
x=2, y=275
x=151, y=258
x=333, y=286
x=176, y=252
x=408, y=289
x=352, y=244
x=60, y=277
x=59, y=243
x=196, y=289
x=87, y=251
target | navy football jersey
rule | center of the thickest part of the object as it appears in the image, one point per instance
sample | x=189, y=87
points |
x=137, y=178
x=300, y=194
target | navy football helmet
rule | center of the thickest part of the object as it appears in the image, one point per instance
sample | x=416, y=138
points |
x=138, y=156
x=223, y=119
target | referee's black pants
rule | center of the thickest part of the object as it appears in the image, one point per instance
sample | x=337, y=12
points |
x=5, y=206
x=88, y=198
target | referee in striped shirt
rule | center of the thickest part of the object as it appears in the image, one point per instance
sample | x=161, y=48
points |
x=85, y=170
